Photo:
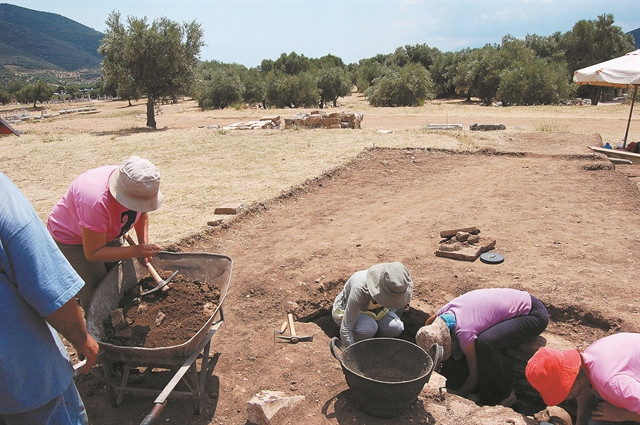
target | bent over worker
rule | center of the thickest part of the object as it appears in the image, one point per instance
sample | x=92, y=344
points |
x=604, y=379
x=477, y=326
x=102, y=204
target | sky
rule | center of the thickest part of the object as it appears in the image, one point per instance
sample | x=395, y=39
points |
x=248, y=31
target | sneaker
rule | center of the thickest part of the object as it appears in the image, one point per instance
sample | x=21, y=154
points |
x=509, y=401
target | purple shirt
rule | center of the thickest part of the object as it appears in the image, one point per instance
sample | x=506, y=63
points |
x=612, y=364
x=477, y=311
x=88, y=203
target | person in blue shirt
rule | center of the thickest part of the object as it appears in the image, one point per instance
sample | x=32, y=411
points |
x=38, y=291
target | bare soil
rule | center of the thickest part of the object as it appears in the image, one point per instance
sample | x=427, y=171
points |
x=565, y=224
x=164, y=319
x=564, y=219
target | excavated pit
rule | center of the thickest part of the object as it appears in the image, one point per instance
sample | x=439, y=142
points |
x=565, y=324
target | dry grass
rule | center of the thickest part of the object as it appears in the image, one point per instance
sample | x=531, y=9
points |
x=202, y=168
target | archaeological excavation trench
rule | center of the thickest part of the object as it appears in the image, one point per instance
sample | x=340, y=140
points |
x=565, y=322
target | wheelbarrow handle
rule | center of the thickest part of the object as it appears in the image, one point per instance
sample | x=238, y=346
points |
x=333, y=344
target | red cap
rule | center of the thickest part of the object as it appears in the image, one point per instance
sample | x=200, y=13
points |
x=552, y=373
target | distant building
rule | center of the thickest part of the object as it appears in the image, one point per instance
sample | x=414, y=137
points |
x=636, y=34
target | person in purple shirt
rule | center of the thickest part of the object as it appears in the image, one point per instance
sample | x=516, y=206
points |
x=477, y=326
x=604, y=379
x=100, y=206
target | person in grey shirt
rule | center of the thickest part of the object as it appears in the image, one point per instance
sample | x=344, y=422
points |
x=367, y=305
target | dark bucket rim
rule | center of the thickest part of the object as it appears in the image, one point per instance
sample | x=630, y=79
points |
x=378, y=339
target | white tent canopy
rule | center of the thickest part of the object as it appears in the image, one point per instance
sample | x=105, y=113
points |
x=619, y=72
x=623, y=71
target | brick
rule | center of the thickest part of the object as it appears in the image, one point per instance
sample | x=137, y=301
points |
x=228, y=209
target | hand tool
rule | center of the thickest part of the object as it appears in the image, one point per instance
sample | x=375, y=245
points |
x=283, y=328
x=294, y=338
x=160, y=284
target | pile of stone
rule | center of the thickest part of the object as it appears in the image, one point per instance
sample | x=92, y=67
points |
x=463, y=244
x=270, y=122
x=321, y=119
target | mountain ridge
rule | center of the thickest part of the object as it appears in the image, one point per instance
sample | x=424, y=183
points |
x=46, y=45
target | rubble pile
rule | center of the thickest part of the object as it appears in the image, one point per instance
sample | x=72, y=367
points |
x=321, y=119
x=463, y=244
x=264, y=123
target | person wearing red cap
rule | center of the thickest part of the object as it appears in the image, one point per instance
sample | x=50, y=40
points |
x=604, y=379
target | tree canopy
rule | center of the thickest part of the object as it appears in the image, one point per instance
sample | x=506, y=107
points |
x=157, y=61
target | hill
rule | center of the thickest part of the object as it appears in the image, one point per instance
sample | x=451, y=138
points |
x=46, y=45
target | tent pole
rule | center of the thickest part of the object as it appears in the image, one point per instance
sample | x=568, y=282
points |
x=633, y=102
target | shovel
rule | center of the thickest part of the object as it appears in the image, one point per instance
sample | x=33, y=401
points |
x=160, y=284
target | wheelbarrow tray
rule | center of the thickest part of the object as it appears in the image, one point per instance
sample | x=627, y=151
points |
x=212, y=269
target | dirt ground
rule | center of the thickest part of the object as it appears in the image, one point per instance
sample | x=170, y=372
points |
x=565, y=220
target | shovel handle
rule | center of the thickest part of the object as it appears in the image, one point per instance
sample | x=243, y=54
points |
x=292, y=329
x=152, y=271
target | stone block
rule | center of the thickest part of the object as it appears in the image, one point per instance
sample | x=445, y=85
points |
x=444, y=127
x=328, y=121
x=269, y=407
x=487, y=127
x=117, y=319
x=451, y=233
x=228, y=209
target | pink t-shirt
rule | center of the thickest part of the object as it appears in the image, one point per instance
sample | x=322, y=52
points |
x=477, y=311
x=613, y=367
x=89, y=204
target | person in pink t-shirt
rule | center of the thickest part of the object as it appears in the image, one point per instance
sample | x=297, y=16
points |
x=102, y=204
x=474, y=329
x=604, y=379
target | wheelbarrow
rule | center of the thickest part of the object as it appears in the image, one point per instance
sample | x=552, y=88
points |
x=212, y=269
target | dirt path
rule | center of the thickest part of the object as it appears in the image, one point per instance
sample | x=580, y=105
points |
x=566, y=224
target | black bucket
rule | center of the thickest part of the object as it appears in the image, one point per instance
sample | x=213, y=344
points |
x=386, y=375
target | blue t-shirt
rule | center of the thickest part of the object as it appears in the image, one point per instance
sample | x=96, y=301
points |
x=35, y=281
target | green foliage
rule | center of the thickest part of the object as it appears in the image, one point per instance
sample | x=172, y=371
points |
x=291, y=91
x=38, y=92
x=5, y=97
x=536, y=82
x=220, y=89
x=333, y=83
x=409, y=85
x=157, y=60
x=43, y=44
x=15, y=86
x=292, y=64
x=368, y=70
x=442, y=72
x=591, y=42
x=253, y=87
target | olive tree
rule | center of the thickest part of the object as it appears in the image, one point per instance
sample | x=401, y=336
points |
x=38, y=92
x=4, y=96
x=409, y=85
x=333, y=82
x=157, y=60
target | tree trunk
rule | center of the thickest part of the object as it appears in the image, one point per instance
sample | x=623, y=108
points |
x=151, y=112
x=595, y=92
